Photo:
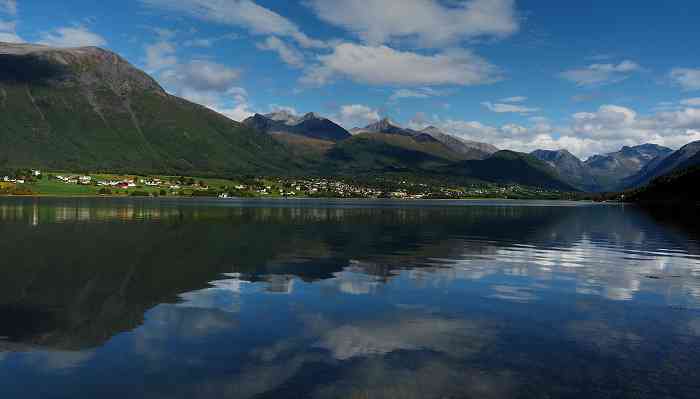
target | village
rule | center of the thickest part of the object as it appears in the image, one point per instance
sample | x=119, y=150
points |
x=34, y=181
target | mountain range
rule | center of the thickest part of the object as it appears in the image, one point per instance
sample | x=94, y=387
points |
x=88, y=109
x=625, y=169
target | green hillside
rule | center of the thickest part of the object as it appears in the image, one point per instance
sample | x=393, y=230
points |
x=511, y=167
x=99, y=113
x=87, y=109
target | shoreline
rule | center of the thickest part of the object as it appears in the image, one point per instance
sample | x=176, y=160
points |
x=289, y=199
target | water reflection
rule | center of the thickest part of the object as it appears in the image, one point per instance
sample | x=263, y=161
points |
x=345, y=299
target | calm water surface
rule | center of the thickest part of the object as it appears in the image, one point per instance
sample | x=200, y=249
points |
x=231, y=299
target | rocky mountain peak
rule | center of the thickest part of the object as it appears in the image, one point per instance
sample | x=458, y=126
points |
x=79, y=66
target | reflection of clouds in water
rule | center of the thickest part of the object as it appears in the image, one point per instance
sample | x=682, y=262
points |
x=694, y=327
x=599, y=268
x=167, y=324
x=513, y=294
x=53, y=361
x=224, y=295
x=279, y=284
x=600, y=336
x=456, y=337
x=355, y=281
x=424, y=379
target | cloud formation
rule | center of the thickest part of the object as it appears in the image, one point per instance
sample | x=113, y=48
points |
x=428, y=23
x=160, y=55
x=355, y=115
x=8, y=7
x=288, y=53
x=247, y=14
x=516, y=99
x=73, y=36
x=421, y=92
x=8, y=32
x=687, y=78
x=382, y=65
x=509, y=108
x=601, y=74
x=604, y=130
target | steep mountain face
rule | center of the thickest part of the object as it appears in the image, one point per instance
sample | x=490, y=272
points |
x=569, y=168
x=513, y=167
x=470, y=150
x=89, y=109
x=309, y=125
x=687, y=156
x=611, y=169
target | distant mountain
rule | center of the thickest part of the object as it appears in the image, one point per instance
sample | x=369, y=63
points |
x=610, y=170
x=569, y=168
x=469, y=149
x=687, y=156
x=309, y=125
x=512, y=167
x=89, y=109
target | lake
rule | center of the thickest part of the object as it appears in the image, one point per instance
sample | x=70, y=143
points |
x=139, y=298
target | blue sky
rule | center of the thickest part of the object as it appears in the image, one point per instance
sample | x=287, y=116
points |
x=522, y=74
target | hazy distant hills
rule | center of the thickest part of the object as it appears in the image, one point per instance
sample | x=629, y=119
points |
x=609, y=172
x=613, y=168
x=569, y=168
x=513, y=167
x=460, y=148
x=687, y=156
x=310, y=125
x=88, y=109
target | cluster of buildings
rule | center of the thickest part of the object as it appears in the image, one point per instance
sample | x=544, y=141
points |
x=119, y=183
x=33, y=173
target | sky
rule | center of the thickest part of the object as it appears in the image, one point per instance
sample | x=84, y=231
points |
x=588, y=76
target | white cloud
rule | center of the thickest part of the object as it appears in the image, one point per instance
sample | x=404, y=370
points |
x=160, y=55
x=202, y=42
x=210, y=84
x=382, y=65
x=693, y=102
x=7, y=32
x=290, y=55
x=76, y=36
x=509, y=108
x=276, y=108
x=516, y=99
x=244, y=13
x=8, y=7
x=422, y=92
x=604, y=130
x=202, y=75
x=428, y=23
x=687, y=78
x=355, y=115
x=7, y=26
x=207, y=42
x=10, y=37
x=600, y=74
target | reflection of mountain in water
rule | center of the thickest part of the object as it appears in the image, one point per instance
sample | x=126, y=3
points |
x=77, y=272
